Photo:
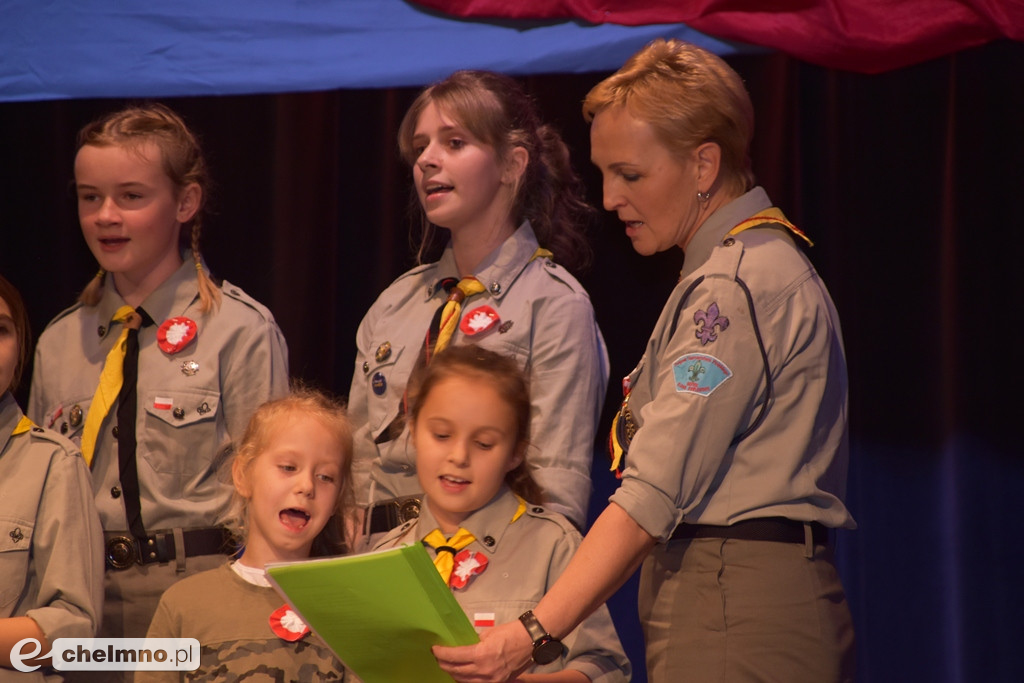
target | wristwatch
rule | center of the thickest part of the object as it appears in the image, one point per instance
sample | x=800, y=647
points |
x=546, y=648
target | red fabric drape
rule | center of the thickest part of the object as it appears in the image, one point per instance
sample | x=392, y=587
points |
x=868, y=36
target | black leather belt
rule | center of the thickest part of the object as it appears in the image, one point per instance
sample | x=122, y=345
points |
x=778, y=529
x=123, y=551
x=388, y=514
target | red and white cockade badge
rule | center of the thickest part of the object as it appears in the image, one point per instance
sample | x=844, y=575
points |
x=287, y=625
x=466, y=564
x=478, y=320
x=174, y=334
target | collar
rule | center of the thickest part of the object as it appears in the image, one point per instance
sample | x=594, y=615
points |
x=498, y=270
x=171, y=298
x=490, y=521
x=252, y=575
x=10, y=416
x=713, y=230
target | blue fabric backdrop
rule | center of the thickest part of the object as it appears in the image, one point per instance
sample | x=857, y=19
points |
x=52, y=49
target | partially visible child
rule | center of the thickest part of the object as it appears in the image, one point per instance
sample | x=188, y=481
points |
x=51, y=544
x=292, y=494
x=497, y=549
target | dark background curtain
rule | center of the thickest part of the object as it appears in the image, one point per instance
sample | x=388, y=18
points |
x=908, y=182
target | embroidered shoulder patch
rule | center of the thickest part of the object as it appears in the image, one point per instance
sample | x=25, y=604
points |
x=699, y=373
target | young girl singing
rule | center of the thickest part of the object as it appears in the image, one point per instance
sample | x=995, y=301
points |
x=292, y=490
x=502, y=214
x=157, y=369
x=499, y=552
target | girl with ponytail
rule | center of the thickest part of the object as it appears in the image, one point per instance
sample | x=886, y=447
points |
x=502, y=217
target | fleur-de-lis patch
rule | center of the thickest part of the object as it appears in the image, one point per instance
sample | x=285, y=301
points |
x=696, y=370
x=16, y=534
x=707, y=321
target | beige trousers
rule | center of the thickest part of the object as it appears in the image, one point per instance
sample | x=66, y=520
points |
x=730, y=611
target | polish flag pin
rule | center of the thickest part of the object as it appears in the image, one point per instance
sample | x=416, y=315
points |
x=483, y=619
x=287, y=625
x=174, y=334
x=467, y=564
x=162, y=403
x=478, y=320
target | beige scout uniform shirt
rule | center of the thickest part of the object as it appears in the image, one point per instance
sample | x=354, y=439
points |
x=525, y=558
x=191, y=404
x=546, y=322
x=696, y=390
x=51, y=544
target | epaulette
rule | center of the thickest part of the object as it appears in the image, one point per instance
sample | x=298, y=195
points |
x=561, y=274
x=65, y=313
x=238, y=294
x=413, y=272
x=541, y=512
x=50, y=436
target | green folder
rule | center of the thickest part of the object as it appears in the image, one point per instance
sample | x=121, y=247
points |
x=380, y=611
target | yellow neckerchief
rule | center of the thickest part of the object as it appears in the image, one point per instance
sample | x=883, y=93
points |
x=24, y=424
x=771, y=215
x=445, y=548
x=466, y=287
x=622, y=422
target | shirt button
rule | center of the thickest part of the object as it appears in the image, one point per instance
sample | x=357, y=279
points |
x=115, y=492
x=728, y=241
x=114, y=431
x=101, y=330
x=178, y=413
x=495, y=288
x=488, y=541
x=63, y=427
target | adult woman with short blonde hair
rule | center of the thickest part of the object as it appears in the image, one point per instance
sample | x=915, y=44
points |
x=732, y=435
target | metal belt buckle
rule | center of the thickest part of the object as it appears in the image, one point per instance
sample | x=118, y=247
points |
x=408, y=508
x=122, y=553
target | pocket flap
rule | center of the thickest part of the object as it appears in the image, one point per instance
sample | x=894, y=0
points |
x=183, y=408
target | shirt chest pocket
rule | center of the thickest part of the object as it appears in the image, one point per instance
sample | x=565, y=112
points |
x=181, y=430
x=386, y=375
x=15, y=543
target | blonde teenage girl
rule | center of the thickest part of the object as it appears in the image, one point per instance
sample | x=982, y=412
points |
x=158, y=367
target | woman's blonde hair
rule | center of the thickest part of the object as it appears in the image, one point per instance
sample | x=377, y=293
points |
x=689, y=96
x=182, y=161
x=268, y=418
x=496, y=110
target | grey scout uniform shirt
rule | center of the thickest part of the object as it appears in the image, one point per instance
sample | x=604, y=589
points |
x=51, y=544
x=187, y=415
x=525, y=558
x=546, y=322
x=696, y=390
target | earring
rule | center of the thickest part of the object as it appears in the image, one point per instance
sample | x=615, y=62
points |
x=703, y=197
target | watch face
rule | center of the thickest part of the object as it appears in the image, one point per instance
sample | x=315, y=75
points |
x=547, y=651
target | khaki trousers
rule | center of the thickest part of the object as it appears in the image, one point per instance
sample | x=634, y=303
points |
x=729, y=611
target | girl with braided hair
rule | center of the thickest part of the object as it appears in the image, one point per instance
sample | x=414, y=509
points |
x=158, y=367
